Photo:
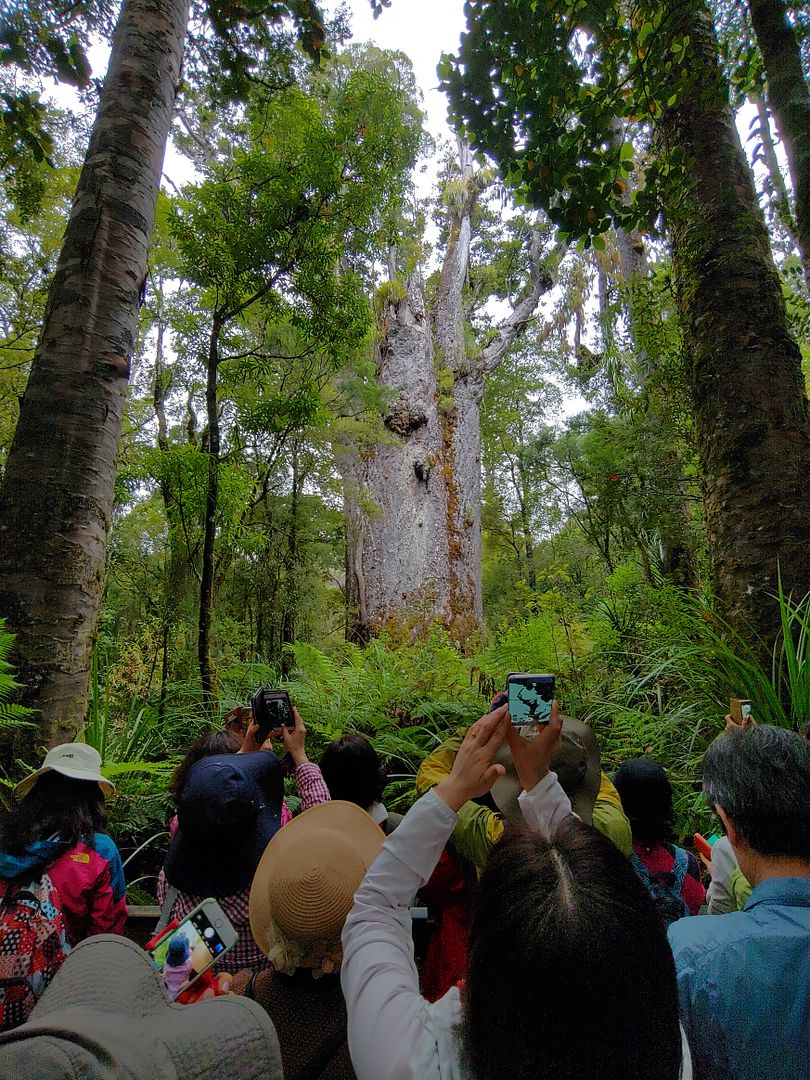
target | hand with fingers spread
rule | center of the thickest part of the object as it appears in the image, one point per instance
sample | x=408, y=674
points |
x=473, y=772
x=533, y=757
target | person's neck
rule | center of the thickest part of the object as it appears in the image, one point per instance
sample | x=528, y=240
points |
x=763, y=868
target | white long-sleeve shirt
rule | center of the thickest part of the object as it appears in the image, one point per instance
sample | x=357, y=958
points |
x=394, y=1033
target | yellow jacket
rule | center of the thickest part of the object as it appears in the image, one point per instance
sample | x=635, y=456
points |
x=478, y=827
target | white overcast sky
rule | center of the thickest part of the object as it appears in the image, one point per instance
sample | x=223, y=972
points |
x=423, y=30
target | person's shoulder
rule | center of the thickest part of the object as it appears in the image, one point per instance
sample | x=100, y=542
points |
x=702, y=935
x=106, y=847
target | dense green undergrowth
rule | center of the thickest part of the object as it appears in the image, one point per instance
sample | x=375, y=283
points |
x=650, y=668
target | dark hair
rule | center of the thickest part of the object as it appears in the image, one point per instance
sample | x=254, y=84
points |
x=646, y=795
x=569, y=971
x=57, y=805
x=761, y=778
x=214, y=742
x=353, y=771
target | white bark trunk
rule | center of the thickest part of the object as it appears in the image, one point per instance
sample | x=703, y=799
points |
x=397, y=565
x=414, y=516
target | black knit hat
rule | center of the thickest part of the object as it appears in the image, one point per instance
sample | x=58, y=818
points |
x=646, y=795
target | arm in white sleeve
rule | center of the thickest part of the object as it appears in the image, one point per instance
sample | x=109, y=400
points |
x=720, y=896
x=390, y=1027
x=546, y=805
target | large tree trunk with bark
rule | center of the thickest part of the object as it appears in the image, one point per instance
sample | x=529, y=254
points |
x=414, y=521
x=58, y=489
x=397, y=543
x=789, y=100
x=751, y=411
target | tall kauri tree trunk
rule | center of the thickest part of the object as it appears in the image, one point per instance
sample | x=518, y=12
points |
x=414, y=523
x=789, y=100
x=750, y=406
x=58, y=488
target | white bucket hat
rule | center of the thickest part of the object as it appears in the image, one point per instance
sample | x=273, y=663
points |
x=76, y=760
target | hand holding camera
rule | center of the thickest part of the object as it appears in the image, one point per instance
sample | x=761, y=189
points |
x=740, y=715
x=294, y=739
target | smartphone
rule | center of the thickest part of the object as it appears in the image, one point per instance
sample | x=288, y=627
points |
x=704, y=846
x=271, y=709
x=529, y=697
x=740, y=709
x=197, y=942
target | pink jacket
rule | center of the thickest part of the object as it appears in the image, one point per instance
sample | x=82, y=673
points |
x=91, y=888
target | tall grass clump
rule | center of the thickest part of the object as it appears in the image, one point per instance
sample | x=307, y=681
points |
x=670, y=702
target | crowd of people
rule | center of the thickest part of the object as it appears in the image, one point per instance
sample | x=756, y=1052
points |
x=565, y=937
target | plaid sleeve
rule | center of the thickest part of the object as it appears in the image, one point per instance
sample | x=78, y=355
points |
x=310, y=785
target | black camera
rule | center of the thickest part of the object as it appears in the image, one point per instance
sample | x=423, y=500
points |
x=271, y=709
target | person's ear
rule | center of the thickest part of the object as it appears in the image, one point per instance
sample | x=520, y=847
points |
x=732, y=832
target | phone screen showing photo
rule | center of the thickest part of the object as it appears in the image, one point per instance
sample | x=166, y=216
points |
x=530, y=698
x=278, y=709
x=187, y=952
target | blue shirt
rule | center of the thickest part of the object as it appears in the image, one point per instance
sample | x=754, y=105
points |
x=744, y=985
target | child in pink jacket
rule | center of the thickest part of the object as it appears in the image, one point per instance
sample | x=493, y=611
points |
x=58, y=826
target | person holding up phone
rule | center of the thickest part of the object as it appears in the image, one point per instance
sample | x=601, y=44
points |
x=229, y=808
x=568, y=973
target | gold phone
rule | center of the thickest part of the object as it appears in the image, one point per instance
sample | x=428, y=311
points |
x=740, y=709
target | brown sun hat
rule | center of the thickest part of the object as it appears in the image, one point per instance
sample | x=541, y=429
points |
x=304, y=885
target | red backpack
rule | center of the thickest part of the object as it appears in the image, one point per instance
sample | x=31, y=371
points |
x=33, y=945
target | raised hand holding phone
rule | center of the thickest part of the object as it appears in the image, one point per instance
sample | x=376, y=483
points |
x=473, y=772
x=740, y=715
x=294, y=739
x=533, y=757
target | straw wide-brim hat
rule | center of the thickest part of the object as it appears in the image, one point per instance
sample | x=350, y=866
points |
x=105, y=1016
x=305, y=883
x=76, y=760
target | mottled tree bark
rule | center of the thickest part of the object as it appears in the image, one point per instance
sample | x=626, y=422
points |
x=789, y=100
x=397, y=547
x=414, y=521
x=751, y=411
x=58, y=489
x=211, y=505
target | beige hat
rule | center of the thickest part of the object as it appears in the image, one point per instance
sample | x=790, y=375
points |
x=76, y=760
x=304, y=886
x=578, y=767
x=105, y=1017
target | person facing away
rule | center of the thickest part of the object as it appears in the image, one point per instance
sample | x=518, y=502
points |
x=569, y=972
x=59, y=825
x=229, y=808
x=354, y=773
x=670, y=873
x=744, y=979
x=301, y=893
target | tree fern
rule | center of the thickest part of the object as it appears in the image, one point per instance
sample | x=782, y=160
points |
x=12, y=715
